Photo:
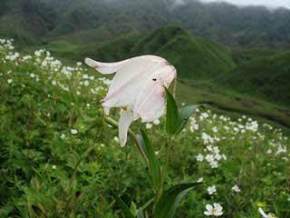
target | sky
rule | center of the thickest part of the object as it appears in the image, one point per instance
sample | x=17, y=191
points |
x=268, y=3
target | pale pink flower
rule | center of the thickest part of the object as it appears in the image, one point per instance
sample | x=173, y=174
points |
x=137, y=88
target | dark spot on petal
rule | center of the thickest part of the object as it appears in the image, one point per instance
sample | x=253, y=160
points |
x=154, y=79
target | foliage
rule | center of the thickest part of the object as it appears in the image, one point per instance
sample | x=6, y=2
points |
x=59, y=158
x=265, y=76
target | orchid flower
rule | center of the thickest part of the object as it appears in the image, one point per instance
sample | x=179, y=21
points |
x=137, y=88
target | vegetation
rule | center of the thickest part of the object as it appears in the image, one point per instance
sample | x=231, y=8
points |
x=59, y=154
x=60, y=158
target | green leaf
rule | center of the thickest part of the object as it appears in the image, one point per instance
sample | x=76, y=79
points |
x=184, y=115
x=153, y=163
x=125, y=209
x=172, y=119
x=169, y=201
x=176, y=119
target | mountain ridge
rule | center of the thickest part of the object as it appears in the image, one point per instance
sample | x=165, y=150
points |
x=220, y=22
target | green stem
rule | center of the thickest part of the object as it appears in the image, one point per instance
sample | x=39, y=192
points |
x=174, y=87
x=114, y=123
x=75, y=172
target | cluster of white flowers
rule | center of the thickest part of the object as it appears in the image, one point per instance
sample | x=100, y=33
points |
x=53, y=71
x=212, y=156
x=193, y=124
x=12, y=56
x=212, y=132
x=213, y=210
x=6, y=44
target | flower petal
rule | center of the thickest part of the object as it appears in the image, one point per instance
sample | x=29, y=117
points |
x=261, y=211
x=150, y=103
x=126, y=118
x=105, y=68
x=209, y=207
x=130, y=80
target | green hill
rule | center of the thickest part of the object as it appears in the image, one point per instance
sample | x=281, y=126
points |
x=194, y=57
x=267, y=77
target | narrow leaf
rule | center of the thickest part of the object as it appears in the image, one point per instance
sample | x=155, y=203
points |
x=184, y=115
x=153, y=163
x=172, y=119
x=170, y=199
x=176, y=119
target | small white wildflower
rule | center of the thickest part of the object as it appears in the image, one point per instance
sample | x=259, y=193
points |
x=215, y=129
x=213, y=210
x=211, y=190
x=149, y=125
x=236, y=188
x=62, y=136
x=86, y=83
x=214, y=164
x=116, y=139
x=200, y=157
x=156, y=122
x=74, y=131
x=9, y=81
x=199, y=180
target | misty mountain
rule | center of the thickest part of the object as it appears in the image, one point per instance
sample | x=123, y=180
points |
x=221, y=22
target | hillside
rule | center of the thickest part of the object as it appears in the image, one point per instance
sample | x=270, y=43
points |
x=267, y=77
x=60, y=158
x=209, y=73
x=221, y=22
x=210, y=44
x=194, y=57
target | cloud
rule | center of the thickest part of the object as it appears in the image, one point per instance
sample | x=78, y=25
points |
x=268, y=3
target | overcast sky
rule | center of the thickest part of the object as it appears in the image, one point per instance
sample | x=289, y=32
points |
x=268, y=3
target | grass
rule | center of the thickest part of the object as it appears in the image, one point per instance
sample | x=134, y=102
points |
x=229, y=101
x=60, y=159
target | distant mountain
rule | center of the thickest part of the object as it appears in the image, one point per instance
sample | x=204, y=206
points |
x=38, y=20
